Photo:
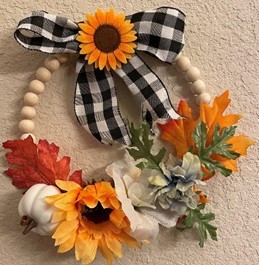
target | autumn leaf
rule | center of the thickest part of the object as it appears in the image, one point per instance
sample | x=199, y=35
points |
x=213, y=115
x=179, y=132
x=37, y=163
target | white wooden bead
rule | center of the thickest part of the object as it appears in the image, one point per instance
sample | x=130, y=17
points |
x=43, y=74
x=26, y=126
x=52, y=63
x=25, y=135
x=63, y=58
x=192, y=74
x=30, y=99
x=198, y=87
x=28, y=112
x=204, y=97
x=36, y=86
x=183, y=64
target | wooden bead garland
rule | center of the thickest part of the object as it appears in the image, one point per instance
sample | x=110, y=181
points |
x=192, y=75
x=52, y=63
x=36, y=87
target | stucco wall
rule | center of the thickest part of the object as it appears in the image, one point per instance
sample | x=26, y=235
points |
x=222, y=40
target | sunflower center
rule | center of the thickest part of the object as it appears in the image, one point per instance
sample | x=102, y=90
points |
x=107, y=38
x=97, y=214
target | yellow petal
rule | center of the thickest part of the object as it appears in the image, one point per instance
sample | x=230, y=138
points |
x=117, y=216
x=108, y=67
x=67, y=185
x=101, y=16
x=87, y=28
x=92, y=21
x=125, y=47
x=85, y=38
x=114, y=245
x=110, y=16
x=102, y=60
x=118, y=64
x=87, y=48
x=71, y=215
x=94, y=56
x=118, y=21
x=120, y=56
x=89, y=251
x=115, y=202
x=64, y=228
x=96, y=64
x=80, y=245
x=129, y=240
x=126, y=27
x=52, y=199
x=69, y=244
x=58, y=216
x=112, y=61
x=128, y=56
x=106, y=252
x=63, y=239
x=129, y=37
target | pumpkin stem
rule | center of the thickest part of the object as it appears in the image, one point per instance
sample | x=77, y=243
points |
x=29, y=223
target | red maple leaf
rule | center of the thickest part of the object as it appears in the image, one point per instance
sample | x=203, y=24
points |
x=37, y=163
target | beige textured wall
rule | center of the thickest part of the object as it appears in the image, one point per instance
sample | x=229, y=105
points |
x=222, y=40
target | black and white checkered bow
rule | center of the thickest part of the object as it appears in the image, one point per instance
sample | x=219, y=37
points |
x=159, y=33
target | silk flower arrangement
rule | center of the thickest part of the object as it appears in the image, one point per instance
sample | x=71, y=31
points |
x=153, y=186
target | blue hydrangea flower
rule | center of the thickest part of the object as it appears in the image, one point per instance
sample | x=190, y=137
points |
x=173, y=188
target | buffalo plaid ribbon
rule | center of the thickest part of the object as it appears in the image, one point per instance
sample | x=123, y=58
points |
x=159, y=33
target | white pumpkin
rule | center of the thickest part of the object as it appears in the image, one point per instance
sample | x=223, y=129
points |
x=36, y=213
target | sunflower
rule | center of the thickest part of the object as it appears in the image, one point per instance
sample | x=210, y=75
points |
x=107, y=39
x=90, y=218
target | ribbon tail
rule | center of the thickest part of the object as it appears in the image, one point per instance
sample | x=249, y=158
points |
x=148, y=89
x=96, y=105
x=47, y=33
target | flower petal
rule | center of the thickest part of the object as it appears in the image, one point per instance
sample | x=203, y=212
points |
x=86, y=28
x=101, y=16
x=91, y=19
x=102, y=60
x=94, y=56
x=112, y=61
x=85, y=248
x=129, y=37
x=129, y=240
x=114, y=245
x=69, y=244
x=85, y=38
x=110, y=16
x=125, y=47
x=120, y=56
x=126, y=27
x=65, y=227
x=67, y=185
x=119, y=19
x=87, y=48
x=106, y=252
x=58, y=216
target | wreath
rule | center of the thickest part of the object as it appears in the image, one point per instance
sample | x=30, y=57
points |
x=169, y=157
